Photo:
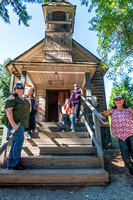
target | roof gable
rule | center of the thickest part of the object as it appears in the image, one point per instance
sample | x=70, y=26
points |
x=79, y=54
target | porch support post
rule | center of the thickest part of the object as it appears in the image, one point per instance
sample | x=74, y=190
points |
x=23, y=77
x=88, y=85
x=12, y=83
x=89, y=97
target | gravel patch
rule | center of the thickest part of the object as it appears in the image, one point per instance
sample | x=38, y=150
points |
x=114, y=191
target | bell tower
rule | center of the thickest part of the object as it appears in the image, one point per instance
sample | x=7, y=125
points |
x=59, y=25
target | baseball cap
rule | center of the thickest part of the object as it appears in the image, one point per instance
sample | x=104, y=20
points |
x=118, y=96
x=75, y=85
x=18, y=85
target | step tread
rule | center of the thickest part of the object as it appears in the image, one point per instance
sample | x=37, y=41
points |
x=54, y=157
x=57, y=171
x=60, y=134
x=62, y=150
x=59, y=140
x=54, y=177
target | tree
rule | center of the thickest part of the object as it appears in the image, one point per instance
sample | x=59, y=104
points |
x=124, y=87
x=4, y=86
x=114, y=25
x=18, y=7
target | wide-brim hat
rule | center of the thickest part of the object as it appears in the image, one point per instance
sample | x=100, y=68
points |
x=118, y=96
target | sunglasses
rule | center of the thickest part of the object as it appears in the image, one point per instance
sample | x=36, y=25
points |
x=19, y=88
x=118, y=99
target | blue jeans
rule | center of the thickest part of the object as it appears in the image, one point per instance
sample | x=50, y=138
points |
x=16, y=148
x=127, y=150
x=65, y=119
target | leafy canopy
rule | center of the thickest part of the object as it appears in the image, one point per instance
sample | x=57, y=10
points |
x=124, y=87
x=114, y=25
x=5, y=78
x=19, y=8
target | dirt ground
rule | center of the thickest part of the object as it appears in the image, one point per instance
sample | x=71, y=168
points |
x=116, y=168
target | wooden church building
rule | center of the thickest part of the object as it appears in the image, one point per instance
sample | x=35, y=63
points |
x=52, y=67
x=54, y=64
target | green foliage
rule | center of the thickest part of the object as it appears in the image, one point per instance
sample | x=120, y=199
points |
x=19, y=7
x=4, y=86
x=125, y=87
x=114, y=25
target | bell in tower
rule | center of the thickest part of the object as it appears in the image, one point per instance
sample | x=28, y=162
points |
x=59, y=25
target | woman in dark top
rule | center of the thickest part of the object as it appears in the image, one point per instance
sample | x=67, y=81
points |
x=75, y=99
x=16, y=119
x=32, y=120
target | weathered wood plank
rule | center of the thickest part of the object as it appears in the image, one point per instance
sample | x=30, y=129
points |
x=62, y=162
x=54, y=176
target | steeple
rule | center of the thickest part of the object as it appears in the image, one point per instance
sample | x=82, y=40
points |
x=59, y=24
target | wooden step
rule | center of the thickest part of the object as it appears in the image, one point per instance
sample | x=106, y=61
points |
x=57, y=141
x=63, y=150
x=60, y=162
x=58, y=129
x=52, y=177
x=60, y=135
x=58, y=124
x=68, y=151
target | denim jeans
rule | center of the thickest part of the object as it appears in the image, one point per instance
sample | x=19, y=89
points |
x=127, y=151
x=65, y=119
x=16, y=148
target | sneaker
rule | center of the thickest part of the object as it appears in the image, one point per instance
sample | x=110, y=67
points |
x=76, y=120
x=27, y=136
x=18, y=168
x=73, y=131
x=62, y=130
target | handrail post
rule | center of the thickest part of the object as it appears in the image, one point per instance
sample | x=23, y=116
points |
x=4, y=139
x=97, y=129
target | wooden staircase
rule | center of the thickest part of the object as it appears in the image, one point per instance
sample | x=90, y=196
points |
x=56, y=158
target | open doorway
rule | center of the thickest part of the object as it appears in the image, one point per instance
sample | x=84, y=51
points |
x=55, y=99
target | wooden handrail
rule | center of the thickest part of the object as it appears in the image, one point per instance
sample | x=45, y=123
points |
x=92, y=108
x=99, y=149
x=4, y=146
x=97, y=137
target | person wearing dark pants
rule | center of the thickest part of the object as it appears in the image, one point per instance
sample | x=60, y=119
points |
x=76, y=99
x=126, y=148
x=122, y=128
x=32, y=120
x=16, y=119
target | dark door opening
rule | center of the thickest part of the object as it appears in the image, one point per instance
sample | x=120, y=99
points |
x=52, y=109
x=55, y=99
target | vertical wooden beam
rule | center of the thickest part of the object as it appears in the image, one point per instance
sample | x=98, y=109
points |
x=88, y=85
x=88, y=96
x=23, y=77
x=12, y=83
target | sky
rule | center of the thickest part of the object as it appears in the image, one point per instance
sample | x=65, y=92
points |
x=16, y=39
